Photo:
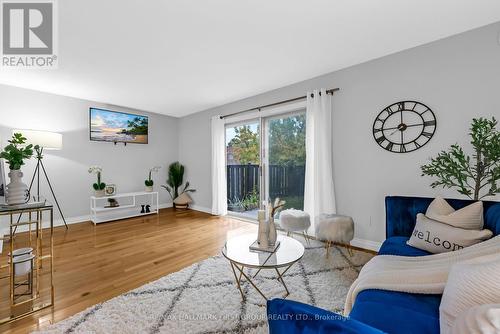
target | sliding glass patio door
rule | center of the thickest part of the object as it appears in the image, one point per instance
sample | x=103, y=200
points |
x=243, y=168
x=265, y=159
x=285, y=158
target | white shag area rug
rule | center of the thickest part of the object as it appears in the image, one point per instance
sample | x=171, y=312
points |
x=204, y=298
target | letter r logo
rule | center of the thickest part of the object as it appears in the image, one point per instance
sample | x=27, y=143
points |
x=27, y=28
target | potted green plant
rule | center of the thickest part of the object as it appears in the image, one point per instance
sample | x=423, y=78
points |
x=149, y=181
x=235, y=205
x=475, y=177
x=15, y=153
x=98, y=186
x=181, y=199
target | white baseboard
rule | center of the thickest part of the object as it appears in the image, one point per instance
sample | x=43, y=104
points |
x=366, y=244
x=79, y=219
x=201, y=208
x=165, y=205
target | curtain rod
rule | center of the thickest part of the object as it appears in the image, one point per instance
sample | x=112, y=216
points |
x=329, y=91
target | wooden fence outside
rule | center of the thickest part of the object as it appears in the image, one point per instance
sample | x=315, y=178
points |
x=283, y=180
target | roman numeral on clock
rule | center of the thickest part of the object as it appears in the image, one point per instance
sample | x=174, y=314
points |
x=430, y=123
x=427, y=134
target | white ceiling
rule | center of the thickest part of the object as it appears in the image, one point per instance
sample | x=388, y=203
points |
x=178, y=57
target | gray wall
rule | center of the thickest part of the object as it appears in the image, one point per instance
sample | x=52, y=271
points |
x=125, y=166
x=458, y=77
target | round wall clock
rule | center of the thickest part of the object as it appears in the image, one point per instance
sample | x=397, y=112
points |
x=404, y=126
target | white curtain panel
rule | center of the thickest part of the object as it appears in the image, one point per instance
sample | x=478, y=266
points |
x=219, y=190
x=319, y=193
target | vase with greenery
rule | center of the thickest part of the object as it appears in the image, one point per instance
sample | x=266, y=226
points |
x=149, y=181
x=99, y=186
x=15, y=153
x=180, y=198
x=475, y=177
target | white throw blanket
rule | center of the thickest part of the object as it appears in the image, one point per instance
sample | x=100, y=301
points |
x=420, y=274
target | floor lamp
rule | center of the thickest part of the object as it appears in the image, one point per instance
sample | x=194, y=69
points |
x=46, y=141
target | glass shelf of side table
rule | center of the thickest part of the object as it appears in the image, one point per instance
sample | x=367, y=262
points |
x=26, y=287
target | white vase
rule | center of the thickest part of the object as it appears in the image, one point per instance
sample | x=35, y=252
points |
x=16, y=190
x=148, y=189
x=272, y=232
x=263, y=237
x=99, y=193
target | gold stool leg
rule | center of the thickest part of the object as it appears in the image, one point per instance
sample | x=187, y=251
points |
x=328, y=244
x=308, y=242
x=349, y=249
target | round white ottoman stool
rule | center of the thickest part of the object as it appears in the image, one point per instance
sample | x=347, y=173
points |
x=292, y=220
x=335, y=228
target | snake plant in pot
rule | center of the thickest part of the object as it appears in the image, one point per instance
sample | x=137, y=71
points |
x=15, y=153
x=180, y=197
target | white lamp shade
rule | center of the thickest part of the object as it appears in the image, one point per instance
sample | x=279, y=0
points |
x=47, y=140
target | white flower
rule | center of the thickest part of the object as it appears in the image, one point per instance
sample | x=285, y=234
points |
x=155, y=169
x=95, y=169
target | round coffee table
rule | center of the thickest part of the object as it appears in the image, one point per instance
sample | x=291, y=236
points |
x=237, y=251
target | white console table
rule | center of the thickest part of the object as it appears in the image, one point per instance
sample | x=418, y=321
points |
x=129, y=206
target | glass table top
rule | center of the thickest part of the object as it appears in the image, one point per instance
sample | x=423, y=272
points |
x=4, y=208
x=237, y=250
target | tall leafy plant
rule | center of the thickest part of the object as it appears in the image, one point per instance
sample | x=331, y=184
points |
x=16, y=152
x=175, y=180
x=475, y=177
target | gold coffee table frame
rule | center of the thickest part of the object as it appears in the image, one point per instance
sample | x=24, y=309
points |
x=238, y=267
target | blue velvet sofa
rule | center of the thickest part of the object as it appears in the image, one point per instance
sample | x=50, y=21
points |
x=379, y=311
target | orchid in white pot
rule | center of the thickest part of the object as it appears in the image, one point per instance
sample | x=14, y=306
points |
x=149, y=182
x=99, y=186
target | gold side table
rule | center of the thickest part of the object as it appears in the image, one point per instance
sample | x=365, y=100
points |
x=26, y=278
x=237, y=251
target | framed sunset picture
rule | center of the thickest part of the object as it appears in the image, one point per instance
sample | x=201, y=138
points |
x=118, y=127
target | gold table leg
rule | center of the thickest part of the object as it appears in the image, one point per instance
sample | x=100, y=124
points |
x=238, y=280
x=242, y=273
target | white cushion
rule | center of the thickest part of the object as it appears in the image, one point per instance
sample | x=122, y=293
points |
x=294, y=220
x=436, y=237
x=469, y=217
x=484, y=319
x=469, y=285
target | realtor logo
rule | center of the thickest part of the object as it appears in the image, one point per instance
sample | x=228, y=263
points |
x=28, y=34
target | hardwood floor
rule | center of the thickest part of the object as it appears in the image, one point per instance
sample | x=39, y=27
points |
x=95, y=263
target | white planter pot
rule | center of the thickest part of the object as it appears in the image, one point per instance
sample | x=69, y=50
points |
x=23, y=258
x=148, y=189
x=23, y=264
x=99, y=193
x=16, y=190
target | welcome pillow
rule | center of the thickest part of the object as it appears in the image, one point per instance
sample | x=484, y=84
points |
x=469, y=217
x=436, y=237
x=469, y=285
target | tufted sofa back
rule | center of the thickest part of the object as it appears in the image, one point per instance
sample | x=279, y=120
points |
x=401, y=213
